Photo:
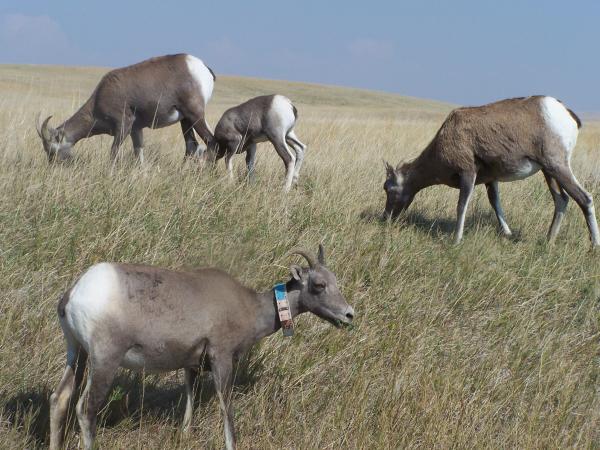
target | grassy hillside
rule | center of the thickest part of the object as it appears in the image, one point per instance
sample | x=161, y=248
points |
x=493, y=343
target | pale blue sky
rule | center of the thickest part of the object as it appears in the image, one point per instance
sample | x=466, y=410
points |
x=465, y=52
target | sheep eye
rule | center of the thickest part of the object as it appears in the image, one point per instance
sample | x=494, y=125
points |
x=319, y=286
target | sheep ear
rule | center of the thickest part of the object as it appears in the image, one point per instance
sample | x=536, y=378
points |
x=296, y=272
x=390, y=171
x=388, y=167
x=57, y=136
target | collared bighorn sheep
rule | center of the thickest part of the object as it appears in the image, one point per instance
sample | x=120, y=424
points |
x=503, y=141
x=154, y=319
x=265, y=118
x=153, y=93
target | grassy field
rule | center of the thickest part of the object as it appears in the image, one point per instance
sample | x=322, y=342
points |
x=494, y=343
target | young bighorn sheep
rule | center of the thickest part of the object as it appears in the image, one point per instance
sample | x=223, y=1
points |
x=268, y=117
x=503, y=141
x=153, y=93
x=154, y=319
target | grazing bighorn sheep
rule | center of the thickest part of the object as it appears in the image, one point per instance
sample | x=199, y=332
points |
x=503, y=141
x=153, y=93
x=268, y=117
x=154, y=319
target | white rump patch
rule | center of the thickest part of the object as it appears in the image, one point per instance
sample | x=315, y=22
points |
x=90, y=301
x=282, y=113
x=560, y=122
x=202, y=75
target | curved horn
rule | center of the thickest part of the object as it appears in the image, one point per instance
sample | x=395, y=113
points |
x=312, y=261
x=38, y=126
x=46, y=133
x=321, y=255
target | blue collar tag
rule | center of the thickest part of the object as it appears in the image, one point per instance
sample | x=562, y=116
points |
x=283, y=309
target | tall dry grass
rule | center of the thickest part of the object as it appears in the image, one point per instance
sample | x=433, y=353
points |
x=493, y=343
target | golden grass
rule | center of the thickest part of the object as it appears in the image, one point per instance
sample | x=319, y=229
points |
x=493, y=343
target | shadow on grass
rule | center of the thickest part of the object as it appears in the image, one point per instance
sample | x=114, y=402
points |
x=30, y=412
x=129, y=399
x=130, y=396
x=425, y=224
x=438, y=227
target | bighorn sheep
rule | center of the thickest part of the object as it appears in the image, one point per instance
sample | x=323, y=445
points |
x=503, y=141
x=153, y=93
x=268, y=117
x=153, y=319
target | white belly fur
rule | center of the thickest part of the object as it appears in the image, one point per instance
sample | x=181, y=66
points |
x=164, y=120
x=134, y=359
x=160, y=359
x=526, y=169
x=174, y=116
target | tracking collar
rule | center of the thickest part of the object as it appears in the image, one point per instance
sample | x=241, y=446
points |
x=283, y=309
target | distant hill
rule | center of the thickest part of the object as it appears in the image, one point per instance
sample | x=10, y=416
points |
x=69, y=84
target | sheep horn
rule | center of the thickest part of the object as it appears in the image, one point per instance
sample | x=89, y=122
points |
x=312, y=261
x=45, y=131
x=321, y=255
x=38, y=126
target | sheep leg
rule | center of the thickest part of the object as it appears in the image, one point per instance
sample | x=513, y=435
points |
x=289, y=160
x=299, y=148
x=137, y=138
x=229, y=165
x=121, y=131
x=100, y=377
x=569, y=183
x=191, y=143
x=194, y=114
x=561, y=200
x=203, y=130
x=250, y=160
x=222, y=369
x=466, y=186
x=190, y=379
x=60, y=398
x=494, y=198
x=233, y=146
